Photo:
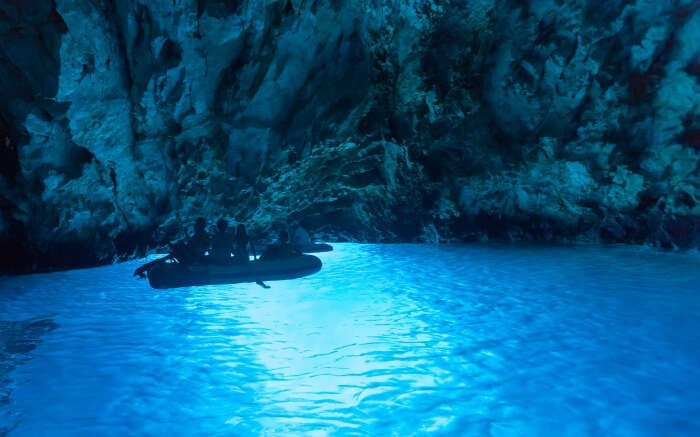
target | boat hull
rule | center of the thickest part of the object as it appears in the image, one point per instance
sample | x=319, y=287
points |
x=316, y=248
x=173, y=275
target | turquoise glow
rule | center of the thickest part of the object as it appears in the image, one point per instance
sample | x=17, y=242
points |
x=385, y=340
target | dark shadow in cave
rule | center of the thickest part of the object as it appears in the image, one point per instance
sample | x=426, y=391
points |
x=17, y=341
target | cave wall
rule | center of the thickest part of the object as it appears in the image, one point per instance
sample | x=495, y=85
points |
x=368, y=120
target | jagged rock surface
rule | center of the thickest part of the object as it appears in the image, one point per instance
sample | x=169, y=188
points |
x=369, y=120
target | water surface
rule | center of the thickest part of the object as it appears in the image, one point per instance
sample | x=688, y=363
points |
x=385, y=340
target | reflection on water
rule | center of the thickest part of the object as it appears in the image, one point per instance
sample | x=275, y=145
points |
x=17, y=340
x=472, y=340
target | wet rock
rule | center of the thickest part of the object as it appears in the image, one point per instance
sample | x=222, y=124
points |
x=120, y=122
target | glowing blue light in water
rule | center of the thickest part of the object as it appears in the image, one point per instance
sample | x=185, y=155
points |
x=472, y=340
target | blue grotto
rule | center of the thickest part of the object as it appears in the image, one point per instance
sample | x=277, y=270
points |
x=350, y=217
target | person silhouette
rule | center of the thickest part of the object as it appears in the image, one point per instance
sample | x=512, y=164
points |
x=198, y=243
x=191, y=251
x=243, y=245
x=221, y=243
x=281, y=249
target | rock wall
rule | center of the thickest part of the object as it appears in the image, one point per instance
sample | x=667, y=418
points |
x=369, y=120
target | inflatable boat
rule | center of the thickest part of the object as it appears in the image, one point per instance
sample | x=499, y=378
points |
x=173, y=275
x=316, y=248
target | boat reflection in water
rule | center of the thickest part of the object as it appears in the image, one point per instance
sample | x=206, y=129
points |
x=383, y=340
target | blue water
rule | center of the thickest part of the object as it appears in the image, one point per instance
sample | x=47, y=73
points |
x=385, y=340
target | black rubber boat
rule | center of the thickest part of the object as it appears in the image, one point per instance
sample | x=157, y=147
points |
x=173, y=275
x=316, y=248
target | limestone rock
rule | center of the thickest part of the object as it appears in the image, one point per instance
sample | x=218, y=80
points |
x=121, y=122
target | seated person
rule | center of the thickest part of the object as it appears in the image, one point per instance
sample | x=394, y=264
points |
x=243, y=246
x=194, y=249
x=301, y=237
x=281, y=249
x=191, y=251
x=221, y=243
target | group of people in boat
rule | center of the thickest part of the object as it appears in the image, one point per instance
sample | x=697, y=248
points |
x=223, y=247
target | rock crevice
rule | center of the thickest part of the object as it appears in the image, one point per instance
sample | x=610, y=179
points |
x=120, y=122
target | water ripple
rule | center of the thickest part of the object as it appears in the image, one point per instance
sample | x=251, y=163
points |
x=385, y=340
